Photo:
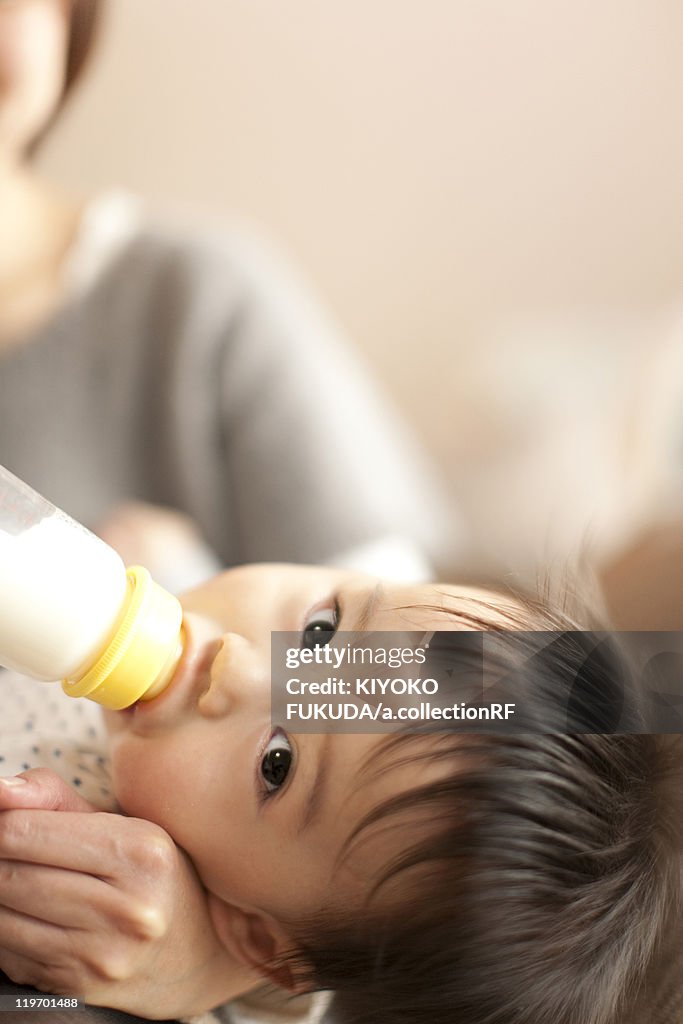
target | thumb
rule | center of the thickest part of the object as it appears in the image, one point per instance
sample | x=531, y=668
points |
x=41, y=788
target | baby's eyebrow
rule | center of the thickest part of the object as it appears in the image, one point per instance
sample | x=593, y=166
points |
x=368, y=607
x=314, y=800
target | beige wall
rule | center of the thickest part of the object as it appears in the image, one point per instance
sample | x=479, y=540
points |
x=439, y=168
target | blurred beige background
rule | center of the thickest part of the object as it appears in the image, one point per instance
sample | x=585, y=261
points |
x=487, y=194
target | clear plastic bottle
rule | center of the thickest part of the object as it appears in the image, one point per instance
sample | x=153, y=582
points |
x=70, y=610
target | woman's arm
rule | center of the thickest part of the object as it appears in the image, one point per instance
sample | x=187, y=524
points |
x=282, y=446
x=320, y=463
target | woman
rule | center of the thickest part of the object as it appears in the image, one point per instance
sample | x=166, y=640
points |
x=179, y=370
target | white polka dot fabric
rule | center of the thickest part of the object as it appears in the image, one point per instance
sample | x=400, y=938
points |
x=40, y=727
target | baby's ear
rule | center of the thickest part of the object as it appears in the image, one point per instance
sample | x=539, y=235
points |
x=255, y=940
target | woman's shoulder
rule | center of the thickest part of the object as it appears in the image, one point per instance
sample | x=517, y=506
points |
x=122, y=235
x=174, y=275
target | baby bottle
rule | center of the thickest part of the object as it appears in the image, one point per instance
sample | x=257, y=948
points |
x=70, y=610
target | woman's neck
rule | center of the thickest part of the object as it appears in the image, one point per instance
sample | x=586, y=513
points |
x=38, y=228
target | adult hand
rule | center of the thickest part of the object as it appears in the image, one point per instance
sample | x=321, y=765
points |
x=104, y=907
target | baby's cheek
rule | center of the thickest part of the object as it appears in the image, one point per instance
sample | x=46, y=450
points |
x=151, y=782
x=140, y=779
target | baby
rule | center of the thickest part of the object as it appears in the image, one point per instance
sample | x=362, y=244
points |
x=488, y=879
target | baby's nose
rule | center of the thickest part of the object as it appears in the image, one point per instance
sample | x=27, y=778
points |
x=240, y=676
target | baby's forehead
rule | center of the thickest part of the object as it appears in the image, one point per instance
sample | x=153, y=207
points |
x=391, y=769
x=413, y=750
x=446, y=606
x=387, y=809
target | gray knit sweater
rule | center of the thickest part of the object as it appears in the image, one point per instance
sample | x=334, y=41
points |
x=188, y=369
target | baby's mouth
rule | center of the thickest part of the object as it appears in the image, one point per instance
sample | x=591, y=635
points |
x=191, y=679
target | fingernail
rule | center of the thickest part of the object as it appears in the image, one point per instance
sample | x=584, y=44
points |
x=13, y=780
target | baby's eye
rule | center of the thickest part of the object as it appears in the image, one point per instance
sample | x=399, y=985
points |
x=321, y=627
x=276, y=762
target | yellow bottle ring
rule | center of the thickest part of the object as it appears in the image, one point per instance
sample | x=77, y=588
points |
x=143, y=652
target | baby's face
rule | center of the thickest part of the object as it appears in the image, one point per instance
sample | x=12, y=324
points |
x=261, y=813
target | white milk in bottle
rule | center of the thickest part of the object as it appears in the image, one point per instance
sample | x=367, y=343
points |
x=70, y=610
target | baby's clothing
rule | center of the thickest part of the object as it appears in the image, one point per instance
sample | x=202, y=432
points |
x=41, y=727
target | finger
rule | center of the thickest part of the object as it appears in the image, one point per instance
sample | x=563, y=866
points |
x=94, y=982
x=101, y=844
x=32, y=953
x=23, y=970
x=50, y=952
x=41, y=788
x=66, y=898
x=73, y=900
x=31, y=937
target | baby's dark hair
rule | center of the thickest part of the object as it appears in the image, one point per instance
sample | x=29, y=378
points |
x=544, y=880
